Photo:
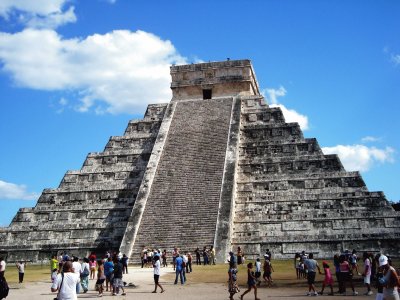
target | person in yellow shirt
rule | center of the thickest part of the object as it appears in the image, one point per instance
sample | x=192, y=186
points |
x=53, y=264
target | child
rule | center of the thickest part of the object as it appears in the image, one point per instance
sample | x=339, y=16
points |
x=92, y=265
x=54, y=275
x=233, y=287
x=251, y=282
x=100, y=278
x=328, y=281
x=268, y=269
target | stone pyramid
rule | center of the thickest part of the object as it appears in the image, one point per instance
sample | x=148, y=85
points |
x=215, y=166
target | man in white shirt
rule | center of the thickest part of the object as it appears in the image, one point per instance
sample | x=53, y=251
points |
x=66, y=283
x=77, y=269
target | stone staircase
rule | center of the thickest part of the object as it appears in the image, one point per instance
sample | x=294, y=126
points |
x=183, y=203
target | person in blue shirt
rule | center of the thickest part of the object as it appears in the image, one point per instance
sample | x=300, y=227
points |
x=109, y=272
x=179, y=269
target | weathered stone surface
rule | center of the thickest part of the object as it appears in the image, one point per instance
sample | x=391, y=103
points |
x=216, y=166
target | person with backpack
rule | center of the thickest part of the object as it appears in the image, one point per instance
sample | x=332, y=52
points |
x=66, y=282
x=4, y=289
x=85, y=272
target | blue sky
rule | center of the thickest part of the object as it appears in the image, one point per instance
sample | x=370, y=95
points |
x=73, y=73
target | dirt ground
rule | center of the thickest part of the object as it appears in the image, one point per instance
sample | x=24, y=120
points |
x=143, y=280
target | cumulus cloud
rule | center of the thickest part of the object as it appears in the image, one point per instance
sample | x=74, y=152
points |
x=360, y=157
x=272, y=95
x=38, y=13
x=14, y=191
x=120, y=71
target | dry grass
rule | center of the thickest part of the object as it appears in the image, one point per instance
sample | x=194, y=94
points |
x=284, y=275
x=33, y=273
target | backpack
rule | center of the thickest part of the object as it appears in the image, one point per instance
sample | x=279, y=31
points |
x=3, y=288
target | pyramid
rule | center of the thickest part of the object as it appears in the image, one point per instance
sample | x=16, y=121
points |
x=214, y=166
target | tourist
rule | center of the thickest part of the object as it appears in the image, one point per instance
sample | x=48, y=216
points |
x=232, y=260
x=269, y=253
x=346, y=275
x=212, y=255
x=185, y=263
x=150, y=254
x=117, y=282
x=251, y=282
x=101, y=277
x=54, y=274
x=378, y=276
x=367, y=273
x=92, y=256
x=179, y=270
x=189, y=263
x=198, y=260
x=258, y=270
x=233, y=287
x=156, y=266
x=66, y=283
x=85, y=272
x=92, y=265
x=21, y=270
x=164, y=258
x=353, y=262
x=4, y=289
x=142, y=258
x=119, y=255
x=311, y=266
x=205, y=256
x=175, y=254
x=54, y=263
x=297, y=264
x=328, y=280
x=336, y=263
x=77, y=269
x=124, y=261
x=390, y=279
x=239, y=256
x=268, y=269
x=109, y=273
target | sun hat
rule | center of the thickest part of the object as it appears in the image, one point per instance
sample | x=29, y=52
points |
x=383, y=260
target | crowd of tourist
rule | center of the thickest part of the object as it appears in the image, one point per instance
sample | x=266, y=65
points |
x=70, y=275
x=376, y=269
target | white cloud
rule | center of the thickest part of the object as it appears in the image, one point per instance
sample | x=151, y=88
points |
x=38, y=13
x=395, y=59
x=368, y=139
x=14, y=191
x=360, y=157
x=293, y=116
x=122, y=69
x=272, y=95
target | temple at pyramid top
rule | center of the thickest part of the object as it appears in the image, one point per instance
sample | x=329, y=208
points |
x=213, y=80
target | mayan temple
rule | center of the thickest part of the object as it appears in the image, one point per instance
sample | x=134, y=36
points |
x=214, y=166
